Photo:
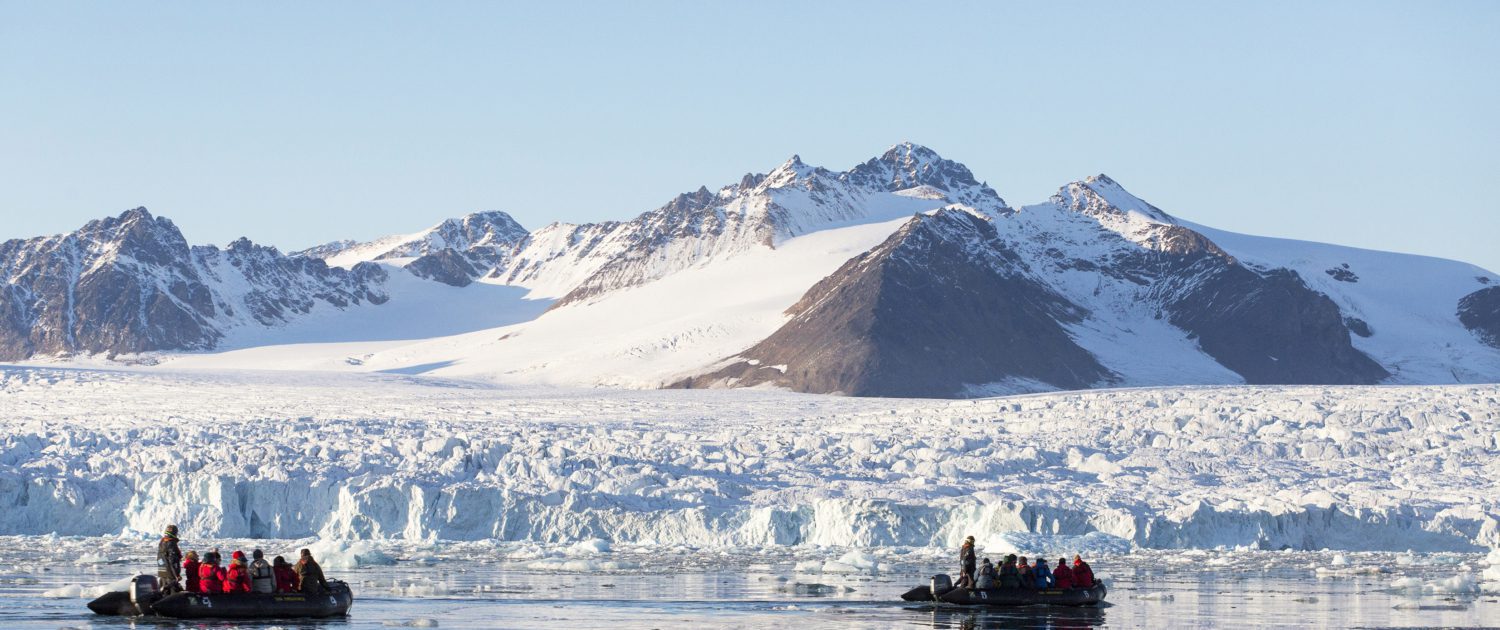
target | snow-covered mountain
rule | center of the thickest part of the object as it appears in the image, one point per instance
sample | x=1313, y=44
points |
x=453, y=252
x=941, y=303
x=904, y=275
x=131, y=284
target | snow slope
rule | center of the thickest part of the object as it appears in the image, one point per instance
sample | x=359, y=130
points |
x=1408, y=301
x=640, y=336
x=292, y=455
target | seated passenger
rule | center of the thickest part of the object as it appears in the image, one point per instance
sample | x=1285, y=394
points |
x=1009, y=576
x=1024, y=569
x=210, y=575
x=262, y=579
x=1083, y=574
x=1041, y=575
x=190, y=571
x=310, y=575
x=286, y=578
x=1062, y=576
x=986, y=575
x=237, y=577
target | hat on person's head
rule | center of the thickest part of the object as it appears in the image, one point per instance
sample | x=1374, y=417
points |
x=257, y=554
x=306, y=553
x=238, y=555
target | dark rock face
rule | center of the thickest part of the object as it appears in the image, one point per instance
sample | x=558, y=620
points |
x=1266, y=325
x=446, y=266
x=940, y=304
x=1342, y=273
x=1480, y=312
x=132, y=284
x=1270, y=328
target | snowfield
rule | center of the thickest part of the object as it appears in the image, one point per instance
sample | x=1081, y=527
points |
x=390, y=457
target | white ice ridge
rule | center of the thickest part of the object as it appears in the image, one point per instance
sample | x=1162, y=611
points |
x=352, y=456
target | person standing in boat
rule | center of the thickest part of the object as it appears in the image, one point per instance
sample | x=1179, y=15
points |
x=310, y=575
x=1062, y=576
x=262, y=578
x=169, y=561
x=1083, y=574
x=966, y=563
x=190, y=571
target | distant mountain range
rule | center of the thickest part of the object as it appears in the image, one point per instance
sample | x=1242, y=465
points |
x=903, y=276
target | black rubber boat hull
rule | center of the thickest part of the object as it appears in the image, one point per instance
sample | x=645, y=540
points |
x=1024, y=597
x=334, y=603
x=116, y=603
x=923, y=593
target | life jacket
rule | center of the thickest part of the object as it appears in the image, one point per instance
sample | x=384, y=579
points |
x=262, y=579
x=210, y=578
x=237, y=579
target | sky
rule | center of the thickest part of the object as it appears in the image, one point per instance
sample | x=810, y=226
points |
x=1369, y=124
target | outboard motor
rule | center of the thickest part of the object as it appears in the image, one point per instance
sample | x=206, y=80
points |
x=143, y=592
x=941, y=583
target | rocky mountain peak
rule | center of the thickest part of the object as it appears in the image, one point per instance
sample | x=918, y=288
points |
x=690, y=201
x=1100, y=196
x=135, y=234
x=909, y=165
x=485, y=228
x=790, y=172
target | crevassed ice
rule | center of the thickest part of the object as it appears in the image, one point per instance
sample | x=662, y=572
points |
x=242, y=454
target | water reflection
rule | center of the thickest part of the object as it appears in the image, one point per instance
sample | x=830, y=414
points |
x=1048, y=617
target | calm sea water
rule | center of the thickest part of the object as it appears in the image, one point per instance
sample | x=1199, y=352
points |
x=467, y=588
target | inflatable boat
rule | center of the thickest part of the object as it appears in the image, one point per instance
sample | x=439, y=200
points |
x=143, y=598
x=941, y=590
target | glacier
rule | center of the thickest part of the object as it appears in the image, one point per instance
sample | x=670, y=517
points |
x=392, y=457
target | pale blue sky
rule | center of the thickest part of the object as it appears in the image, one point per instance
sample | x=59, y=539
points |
x=1365, y=123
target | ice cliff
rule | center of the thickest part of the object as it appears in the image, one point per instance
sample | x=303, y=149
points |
x=282, y=455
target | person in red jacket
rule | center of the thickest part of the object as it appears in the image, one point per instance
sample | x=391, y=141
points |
x=1062, y=576
x=1083, y=574
x=210, y=575
x=286, y=578
x=190, y=571
x=237, y=577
